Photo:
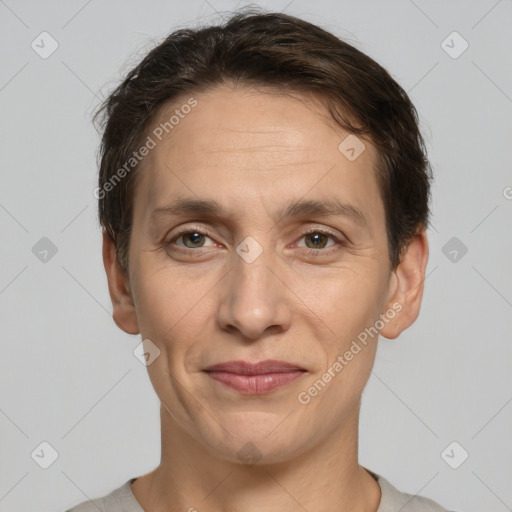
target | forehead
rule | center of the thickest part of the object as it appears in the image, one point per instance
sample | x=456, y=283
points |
x=242, y=145
x=235, y=120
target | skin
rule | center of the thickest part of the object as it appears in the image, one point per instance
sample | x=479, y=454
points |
x=254, y=150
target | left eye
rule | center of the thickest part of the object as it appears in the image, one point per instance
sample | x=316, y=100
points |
x=317, y=239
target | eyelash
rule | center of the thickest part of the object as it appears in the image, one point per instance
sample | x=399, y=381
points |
x=312, y=252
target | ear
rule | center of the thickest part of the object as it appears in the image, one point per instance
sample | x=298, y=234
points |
x=123, y=308
x=406, y=287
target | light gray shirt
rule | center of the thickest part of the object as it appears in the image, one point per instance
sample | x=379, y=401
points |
x=392, y=500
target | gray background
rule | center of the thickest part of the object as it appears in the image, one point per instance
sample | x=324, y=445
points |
x=68, y=374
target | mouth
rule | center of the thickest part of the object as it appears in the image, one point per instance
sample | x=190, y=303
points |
x=255, y=378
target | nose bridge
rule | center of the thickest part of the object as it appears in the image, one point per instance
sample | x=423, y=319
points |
x=254, y=298
x=250, y=266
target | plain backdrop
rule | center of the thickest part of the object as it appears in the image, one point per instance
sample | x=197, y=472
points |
x=69, y=377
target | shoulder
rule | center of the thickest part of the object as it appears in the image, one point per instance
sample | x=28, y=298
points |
x=119, y=500
x=393, y=500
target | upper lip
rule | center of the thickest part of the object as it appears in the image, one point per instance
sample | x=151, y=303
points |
x=246, y=368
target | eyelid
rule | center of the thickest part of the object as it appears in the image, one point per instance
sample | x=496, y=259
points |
x=325, y=231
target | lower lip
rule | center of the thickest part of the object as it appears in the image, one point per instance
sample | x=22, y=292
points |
x=255, y=384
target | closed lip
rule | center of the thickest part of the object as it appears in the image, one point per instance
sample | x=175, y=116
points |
x=259, y=368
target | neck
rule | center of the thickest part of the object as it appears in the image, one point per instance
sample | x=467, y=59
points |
x=326, y=477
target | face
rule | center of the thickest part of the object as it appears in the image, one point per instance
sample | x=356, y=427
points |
x=236, y=257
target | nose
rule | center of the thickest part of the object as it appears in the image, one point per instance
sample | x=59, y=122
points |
x=255, y=300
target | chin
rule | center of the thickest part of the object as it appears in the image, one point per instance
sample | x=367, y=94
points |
x=255, y=439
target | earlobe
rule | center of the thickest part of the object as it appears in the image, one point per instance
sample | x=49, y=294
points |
x=407, y=287
x=123, y=308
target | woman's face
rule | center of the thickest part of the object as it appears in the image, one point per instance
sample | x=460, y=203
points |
x=257, y=276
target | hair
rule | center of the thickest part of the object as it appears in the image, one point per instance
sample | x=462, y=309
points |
x=287, y=54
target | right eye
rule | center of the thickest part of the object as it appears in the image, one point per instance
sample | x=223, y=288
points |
x=192, y=239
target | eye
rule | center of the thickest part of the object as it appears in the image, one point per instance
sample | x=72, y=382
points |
x=192, y=239
x=316, y=242
x=318, y=239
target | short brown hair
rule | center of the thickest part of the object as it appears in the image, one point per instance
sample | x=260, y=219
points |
x=277, y=50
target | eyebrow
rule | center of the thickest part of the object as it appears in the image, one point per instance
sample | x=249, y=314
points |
x=296, y=208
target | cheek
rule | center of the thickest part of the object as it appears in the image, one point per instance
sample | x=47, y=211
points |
x=171, y=312
x=168, y=301
x=347, y=301
x=350, y=308
x=175, y=310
